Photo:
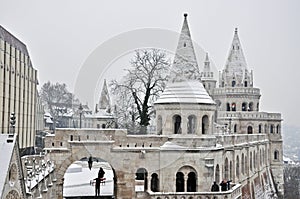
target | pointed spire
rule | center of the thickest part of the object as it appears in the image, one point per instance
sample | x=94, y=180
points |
x=206, y=64
x=104, y=102
x=236, y=62
x=185, y=63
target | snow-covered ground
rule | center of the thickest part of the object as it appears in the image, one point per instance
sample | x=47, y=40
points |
x=78, y=179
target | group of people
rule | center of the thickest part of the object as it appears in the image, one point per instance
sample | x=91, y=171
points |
x=225, y=186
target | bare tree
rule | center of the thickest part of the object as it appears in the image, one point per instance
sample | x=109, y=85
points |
x=140, y=87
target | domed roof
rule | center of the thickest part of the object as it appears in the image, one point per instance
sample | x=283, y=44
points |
x=191, y=91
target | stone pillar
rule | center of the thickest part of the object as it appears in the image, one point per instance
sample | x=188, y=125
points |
x=185, y=182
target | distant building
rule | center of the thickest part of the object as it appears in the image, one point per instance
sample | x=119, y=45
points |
x=18, y=89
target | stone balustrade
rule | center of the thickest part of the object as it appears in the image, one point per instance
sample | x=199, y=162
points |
x=249, y=115
x=222, y=91
x=234, y=193
x=236, y=139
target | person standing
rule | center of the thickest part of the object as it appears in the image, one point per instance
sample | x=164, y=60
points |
x=97, y=186
x=223, y=185
x=215, y=187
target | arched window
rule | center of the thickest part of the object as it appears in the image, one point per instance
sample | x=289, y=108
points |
x=257, y=108
x=244, y=106
x=276, y=155
x=243, y=164
x=259, y=128
x=249, y=130
x=223, y=84
x=71, y=137
x=179, y=182
x=233, y=83
x=191, y=182
x=103, y=126
x=250, y=106
x=205, y=124
x=177, y=124
x=233, y=107
x=226, y=168
x=159, y=125
x=154, y=182
x=141, y=174
x=235, y=128
x=191, y=126
x=237, y=166
x=278, y=129
x=227, y=107
x=217, y=174
x=272, y=128
x=230, y=170
x=246, y=84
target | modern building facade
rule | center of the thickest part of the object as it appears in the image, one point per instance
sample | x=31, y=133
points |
x=18, y=89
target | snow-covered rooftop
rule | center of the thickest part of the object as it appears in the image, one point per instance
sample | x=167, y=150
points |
x=185, y=92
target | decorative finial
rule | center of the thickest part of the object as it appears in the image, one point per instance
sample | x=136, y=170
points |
x=236, y=30
x=185, y=15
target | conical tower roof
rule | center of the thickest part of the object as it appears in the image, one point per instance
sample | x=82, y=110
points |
x=104, y=102
x=236, y=62
x=185, y=63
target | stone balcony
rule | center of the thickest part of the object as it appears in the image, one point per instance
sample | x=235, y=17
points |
x=249, y=115
x=234, y=193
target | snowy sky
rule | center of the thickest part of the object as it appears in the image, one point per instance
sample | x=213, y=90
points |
x=62, y=36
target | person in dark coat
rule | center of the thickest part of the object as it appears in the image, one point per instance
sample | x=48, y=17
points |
x=228, y=184
x=97, y=186
x=223, y=185
x=215, y=187
x=101, y=173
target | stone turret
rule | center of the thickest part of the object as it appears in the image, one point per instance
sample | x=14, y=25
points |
x=104, y=101
x=207, y=76
x=236, y=73
x=185, y=107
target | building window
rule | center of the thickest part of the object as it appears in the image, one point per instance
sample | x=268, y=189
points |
x=98, y=126
x=276, y=155
x=191, y=182
x=235, y=128
x=233, y=107
x=249, y=130
x=205, y=124
x=179, y=182
x=233, y=83
x=244, y=106
x=260, y=128
x=141, y=174
x=103, y=126
x=278, y=129
x=246, y=84
x=177, y=124
x=227, y=107
x=191, y=126
x=250, y=106
x=71, y=137
x=272, y=128
x=154, y=182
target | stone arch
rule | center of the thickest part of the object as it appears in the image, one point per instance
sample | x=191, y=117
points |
x=272, y=128
x=179, y=182
x=191, y=125
x=260, y=128
x=177, y=124
x=250, y=106
x=191, y=182
x=154, y=182
x=159, y=125
x=278, y=129
x=13, y=194
x=276, y=155
x=217, y=173
x=205, y=124
x=186, y=179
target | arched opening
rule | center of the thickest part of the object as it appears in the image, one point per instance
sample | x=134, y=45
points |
x=233, y=83
x=259, y=128
x=78, y=174
x=276, y=155
x=243, y=164
x=278, y=129
x=257, y=107
x=230, y=170
x=217, y=173
x=226, y=168
x=249, y=130
x=250, y=106
x=159, y=125
x=141, y=175
x=177, y=124
x=238, y=166
x=191, y=126
x=179, y=182
x=227, y=107
x=272, y=128
x=233, y=106
x=235, y=128
x=103, y=126
x=205, y=124
x=154, y=183
x=191, y=182
x=246, y=84
x=244, y=106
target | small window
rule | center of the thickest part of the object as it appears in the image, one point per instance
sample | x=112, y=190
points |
x=233, y=83
x=103, y=126
x=246, y=84
x=276, y=155
x=184, y=44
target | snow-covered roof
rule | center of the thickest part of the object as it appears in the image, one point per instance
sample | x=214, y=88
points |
x=6, y=150
x=185, y=92
x=171, y=146
x=102, y=113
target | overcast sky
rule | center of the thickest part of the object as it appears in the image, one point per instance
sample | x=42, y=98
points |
x=62, y=34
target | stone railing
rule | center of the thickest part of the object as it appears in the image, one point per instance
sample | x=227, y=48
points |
x=221, y=91
x=250, y=115
x=235, y=139
x=234, y=193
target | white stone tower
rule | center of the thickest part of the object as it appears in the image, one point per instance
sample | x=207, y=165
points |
x=207, y=76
